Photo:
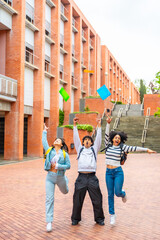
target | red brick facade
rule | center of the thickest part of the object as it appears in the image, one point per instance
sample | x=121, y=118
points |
x=94, y=57
x=151, y=101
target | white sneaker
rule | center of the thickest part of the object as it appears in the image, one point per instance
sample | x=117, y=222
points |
x=49, y=227
x=124, y=199
x=112, y=219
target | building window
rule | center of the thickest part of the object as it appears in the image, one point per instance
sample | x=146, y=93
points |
x=61, y=72
x=62, y=8
x=48, y=28
x=29, y=55
x=29, y=13
x=47, y=66
x=61, y=40
x=9, y=2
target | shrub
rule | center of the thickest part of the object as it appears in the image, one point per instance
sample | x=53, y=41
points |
x=157, y=113
x=93, y=97
x=87, y=127
x=112, y=101
x=87, y=112
x=86, y=109
x=119, y=102
x=61, y=117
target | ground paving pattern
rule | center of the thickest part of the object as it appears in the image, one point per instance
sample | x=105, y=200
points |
x=22, y=203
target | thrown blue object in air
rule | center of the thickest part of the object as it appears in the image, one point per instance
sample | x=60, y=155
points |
x=103, y=92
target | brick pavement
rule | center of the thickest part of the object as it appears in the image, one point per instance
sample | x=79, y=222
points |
x=22, y=203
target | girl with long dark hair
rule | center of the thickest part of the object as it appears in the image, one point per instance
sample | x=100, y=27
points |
x=56, y=163
x=114, y=148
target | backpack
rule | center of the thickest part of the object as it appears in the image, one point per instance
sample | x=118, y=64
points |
x=47, y=165
x=82, y=150
x=49, y=149
x=123, y=154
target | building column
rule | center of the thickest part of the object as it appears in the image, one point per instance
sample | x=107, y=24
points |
x=35, y=122
x=15, y=62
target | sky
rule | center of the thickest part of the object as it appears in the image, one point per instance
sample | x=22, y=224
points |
x=131, y=31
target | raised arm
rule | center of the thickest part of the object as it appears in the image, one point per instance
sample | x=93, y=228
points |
x=98, y=140
x=76, y=138
x=44, y=138
x=127, y=148
x=106, y=138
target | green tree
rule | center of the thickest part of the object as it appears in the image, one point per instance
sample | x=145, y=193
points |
x=141, y=85
x=142, y=89
x=158, y=80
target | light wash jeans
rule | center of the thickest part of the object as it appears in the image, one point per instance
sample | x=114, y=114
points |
x=114, y=182
x=52, y=179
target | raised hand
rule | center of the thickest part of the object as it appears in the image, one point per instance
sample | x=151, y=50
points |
x=108, y=119
x=45, y=127
x=75, y=120
x=98, y=120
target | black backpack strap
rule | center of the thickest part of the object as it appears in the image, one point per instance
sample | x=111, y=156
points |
x=94, y=153
x=80, y=152
x=104, y=149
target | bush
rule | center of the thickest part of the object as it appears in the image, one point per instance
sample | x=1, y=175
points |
x=119, y=102
x=87, y=127
x=157, y=114
x=87, y=112
x=112, y=101
x=61, y=117
x=86, y=109
x=93, y=97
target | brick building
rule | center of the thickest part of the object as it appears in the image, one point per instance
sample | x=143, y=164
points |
x=44, y=47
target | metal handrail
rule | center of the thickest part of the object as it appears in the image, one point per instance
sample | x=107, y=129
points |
x=113, y=107
x=117, y=120
x=146, y=124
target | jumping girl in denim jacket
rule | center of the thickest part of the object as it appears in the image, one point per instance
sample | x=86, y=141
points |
x=57, y=162
x=114, y=172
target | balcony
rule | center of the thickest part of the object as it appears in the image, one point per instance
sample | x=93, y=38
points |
x=6, y=12
x=82, y=62
x=63, y=13
x=61, y=74
x=29, y=59
x=83, y=36
x=83, y=87
x=74, y=29
x=8, y=88
x=91, y=69
x=74, y=82
x=50, y=3
x=91, y=44
x=48, y=32
x=48, y=68
x=9, y=2
x=74, y=59
x=61, y=40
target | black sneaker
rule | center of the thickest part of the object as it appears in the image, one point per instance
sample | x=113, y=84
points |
x=101, y=223
x=74, y=222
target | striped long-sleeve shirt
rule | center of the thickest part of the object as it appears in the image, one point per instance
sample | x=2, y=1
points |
x=113, y=153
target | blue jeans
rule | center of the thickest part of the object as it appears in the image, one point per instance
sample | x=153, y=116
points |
x=51, y=180
x=114, y=182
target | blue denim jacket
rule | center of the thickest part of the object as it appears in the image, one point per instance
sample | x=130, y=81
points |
x=63, y=163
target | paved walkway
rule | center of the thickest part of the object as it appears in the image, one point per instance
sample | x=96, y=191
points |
x=22, y=203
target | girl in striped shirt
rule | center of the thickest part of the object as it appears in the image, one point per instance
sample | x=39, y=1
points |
x=114, y=172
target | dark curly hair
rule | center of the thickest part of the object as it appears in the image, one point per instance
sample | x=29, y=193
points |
x=64, y=145
x=89, y=137
x=122, y=135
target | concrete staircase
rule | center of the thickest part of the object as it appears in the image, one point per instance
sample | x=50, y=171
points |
x=134, y=110
x=133, y=126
